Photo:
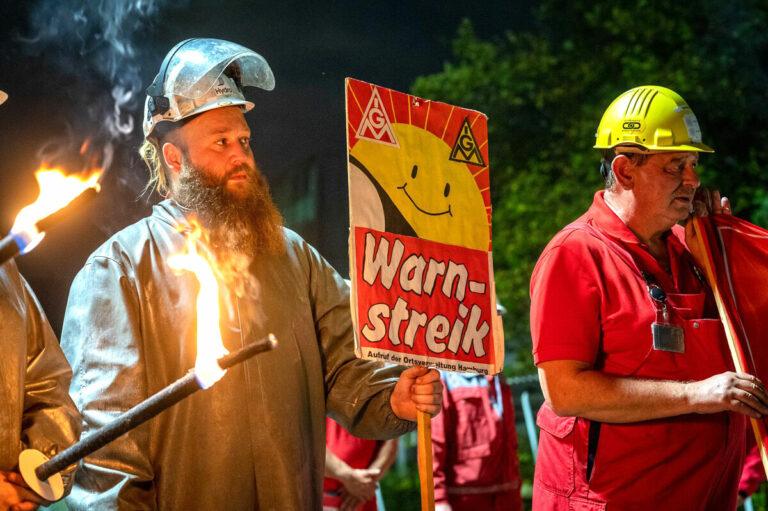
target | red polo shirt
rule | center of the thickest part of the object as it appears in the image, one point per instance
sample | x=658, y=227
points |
x=590, y=302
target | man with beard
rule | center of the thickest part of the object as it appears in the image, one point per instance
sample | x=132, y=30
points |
x=256, y=439
x=643, y=409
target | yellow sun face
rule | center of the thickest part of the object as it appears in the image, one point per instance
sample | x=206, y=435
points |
x=437, y=196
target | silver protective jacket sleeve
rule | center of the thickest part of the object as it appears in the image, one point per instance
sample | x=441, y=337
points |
x=256, y=439
x=36, y=410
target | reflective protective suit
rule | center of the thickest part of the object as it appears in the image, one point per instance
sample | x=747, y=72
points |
x=355, y=452
x=256, y=439
x=35, y=410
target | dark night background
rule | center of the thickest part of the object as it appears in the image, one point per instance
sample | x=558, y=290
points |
x=58, y=64
x=543, y=70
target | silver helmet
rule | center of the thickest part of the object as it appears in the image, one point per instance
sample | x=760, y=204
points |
x=199, y=75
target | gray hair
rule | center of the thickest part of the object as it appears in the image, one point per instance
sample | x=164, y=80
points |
x=606, y=164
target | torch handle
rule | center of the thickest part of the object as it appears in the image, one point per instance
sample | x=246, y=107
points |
x=134, y=417
x=264, y=344
x=55, y=218
x=145, y=410
x=8, y=249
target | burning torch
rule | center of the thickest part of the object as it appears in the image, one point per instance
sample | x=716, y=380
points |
x=212, y=361
x=57, y=191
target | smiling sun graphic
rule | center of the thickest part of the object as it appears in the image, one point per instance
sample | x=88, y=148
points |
x=420, y=259
x=431, y=196
x=416, y=168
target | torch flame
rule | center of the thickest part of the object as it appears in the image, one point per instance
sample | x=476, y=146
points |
x=209, y=344
x=56, y=191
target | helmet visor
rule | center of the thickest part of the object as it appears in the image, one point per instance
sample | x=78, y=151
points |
x=198, y=64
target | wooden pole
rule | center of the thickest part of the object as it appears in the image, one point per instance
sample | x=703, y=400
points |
x=426, y=477
x=737, y=354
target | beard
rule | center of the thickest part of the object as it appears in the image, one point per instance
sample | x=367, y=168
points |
x=247, y=225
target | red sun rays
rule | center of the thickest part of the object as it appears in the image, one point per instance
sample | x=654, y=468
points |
x=440, y=119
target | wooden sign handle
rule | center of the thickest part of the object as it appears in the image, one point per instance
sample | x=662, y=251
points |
x=426, y=475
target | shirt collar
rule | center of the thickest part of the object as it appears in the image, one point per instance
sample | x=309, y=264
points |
x=171, y=212
x=603, y=217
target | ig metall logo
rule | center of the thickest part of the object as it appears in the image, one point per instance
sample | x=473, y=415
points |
x=631, y=125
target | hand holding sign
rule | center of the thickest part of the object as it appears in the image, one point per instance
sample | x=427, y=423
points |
x=420, y=210
x=418, y=389
x=420, y=262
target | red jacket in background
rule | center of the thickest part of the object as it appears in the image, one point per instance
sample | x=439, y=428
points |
x=474, y=445
x=753, y=474
x=355, y=452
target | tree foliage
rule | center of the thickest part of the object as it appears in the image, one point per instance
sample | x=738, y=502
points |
x=545, y=89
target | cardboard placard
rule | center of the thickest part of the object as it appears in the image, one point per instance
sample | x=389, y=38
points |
x=420, y=232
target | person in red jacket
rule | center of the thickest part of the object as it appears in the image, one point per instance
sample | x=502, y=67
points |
x=474, y=446
x=642, y=407
x=353, y=468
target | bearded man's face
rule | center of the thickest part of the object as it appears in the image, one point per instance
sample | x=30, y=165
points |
x=219, y=181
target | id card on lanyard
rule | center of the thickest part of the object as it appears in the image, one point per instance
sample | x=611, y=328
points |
x=666, y=336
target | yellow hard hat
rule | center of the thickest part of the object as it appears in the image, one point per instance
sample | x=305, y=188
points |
x=650, y=118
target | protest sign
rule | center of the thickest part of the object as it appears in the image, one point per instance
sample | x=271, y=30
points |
x=420, y=240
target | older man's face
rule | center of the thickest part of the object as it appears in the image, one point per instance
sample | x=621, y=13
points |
x=665, y=184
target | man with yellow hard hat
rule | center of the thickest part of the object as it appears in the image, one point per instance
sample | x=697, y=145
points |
x=642, y=408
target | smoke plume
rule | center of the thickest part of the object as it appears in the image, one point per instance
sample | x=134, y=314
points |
x=98, y=48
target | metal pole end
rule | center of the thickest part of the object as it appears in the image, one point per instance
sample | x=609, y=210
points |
x=51, y=489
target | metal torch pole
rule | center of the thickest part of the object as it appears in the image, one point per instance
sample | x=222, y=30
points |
x=134, y=417
x=144, y=411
